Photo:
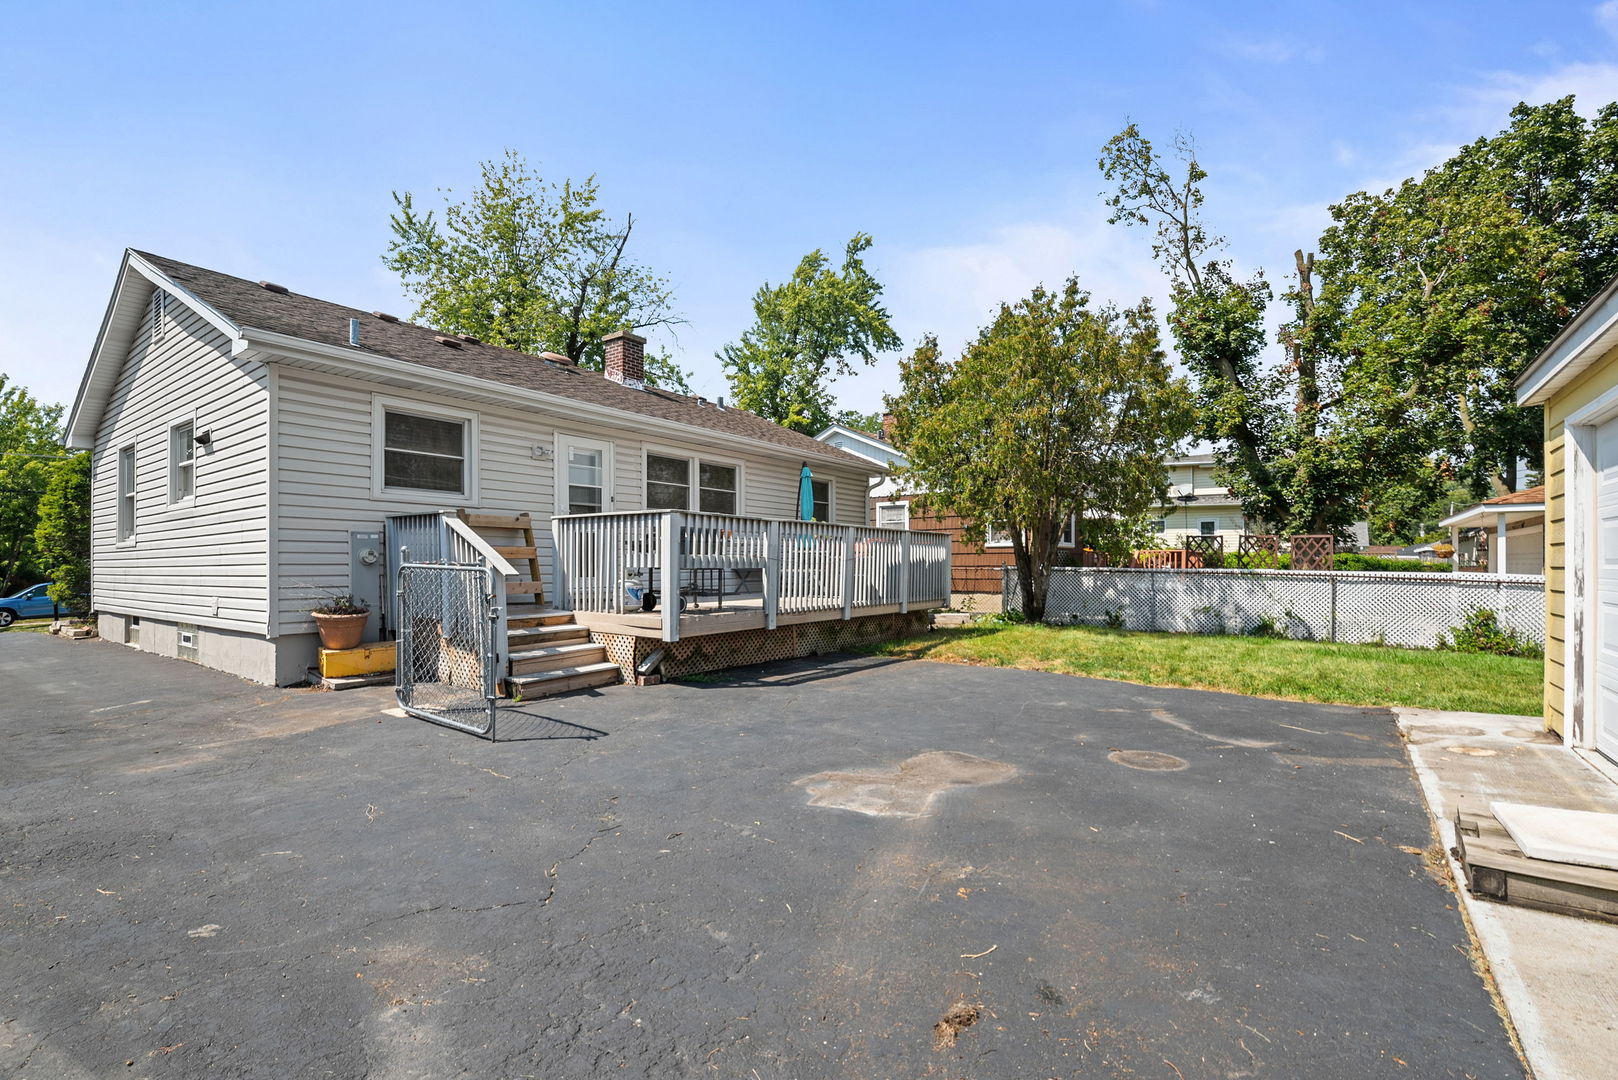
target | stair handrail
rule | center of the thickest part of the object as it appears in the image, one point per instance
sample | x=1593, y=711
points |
x=502, y=571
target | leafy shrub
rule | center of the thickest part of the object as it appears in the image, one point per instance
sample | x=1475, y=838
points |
x=343, y=604
x=1267, y=626
x=1115, y=619
x=1001, y=618
x=1480, y=632
x=1353, y=560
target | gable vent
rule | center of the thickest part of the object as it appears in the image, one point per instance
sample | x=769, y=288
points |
x=273, y=287
x=160, y=304
x=385, y=317
x=453, y=343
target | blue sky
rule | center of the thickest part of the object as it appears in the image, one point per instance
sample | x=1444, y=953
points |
x=264, y=140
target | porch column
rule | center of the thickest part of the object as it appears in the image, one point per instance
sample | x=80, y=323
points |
x=1455, y=548
x=1499, y=545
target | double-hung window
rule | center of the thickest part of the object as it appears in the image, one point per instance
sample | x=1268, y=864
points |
x=893, y=515
x=126, y=492
x=685, y=483
x=821, y=490
x=419, y=448
x=182, y=462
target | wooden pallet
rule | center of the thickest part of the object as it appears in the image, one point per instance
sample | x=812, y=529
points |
x=1497, y=870
x=527, y=551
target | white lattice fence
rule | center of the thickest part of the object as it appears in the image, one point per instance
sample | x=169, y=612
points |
x=1329, y=605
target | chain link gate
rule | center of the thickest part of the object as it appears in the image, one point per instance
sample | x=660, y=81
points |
x=447, y=654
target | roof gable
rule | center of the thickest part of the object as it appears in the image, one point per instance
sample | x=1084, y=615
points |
x=138, y=278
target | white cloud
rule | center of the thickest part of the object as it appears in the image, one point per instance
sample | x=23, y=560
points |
x=1268, y=50
x=1606, y=16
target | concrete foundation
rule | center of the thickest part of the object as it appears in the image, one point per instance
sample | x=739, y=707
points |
x=238, y=652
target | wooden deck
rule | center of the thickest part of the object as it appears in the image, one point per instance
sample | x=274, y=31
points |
x=739, y=613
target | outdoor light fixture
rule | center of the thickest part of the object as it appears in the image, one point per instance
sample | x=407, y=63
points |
x=203, y=437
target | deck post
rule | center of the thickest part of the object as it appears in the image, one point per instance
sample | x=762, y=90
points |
x=848, y=571
x=904, y=574
x=772, y=573
x=672, y=558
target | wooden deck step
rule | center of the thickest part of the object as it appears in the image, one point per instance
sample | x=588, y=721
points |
x=539, y=617
x=535, y=637
x=562, y=680
x=556, y=657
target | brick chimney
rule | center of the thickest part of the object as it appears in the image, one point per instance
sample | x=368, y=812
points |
x=626, y=359
x=888, y=423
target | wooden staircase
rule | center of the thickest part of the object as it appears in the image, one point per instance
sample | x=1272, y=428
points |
x=549, y=653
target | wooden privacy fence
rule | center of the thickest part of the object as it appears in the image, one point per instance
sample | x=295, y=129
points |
x=1331, y=605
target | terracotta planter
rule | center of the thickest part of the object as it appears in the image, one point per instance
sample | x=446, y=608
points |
x=341, y=631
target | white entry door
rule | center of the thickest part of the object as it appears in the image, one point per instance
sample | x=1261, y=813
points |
x=583, y=476
x=1603, y=706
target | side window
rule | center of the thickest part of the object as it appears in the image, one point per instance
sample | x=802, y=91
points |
x=821, y=490
x=668, y=482
x=126, y=492
x=182, y=462
x=423, y=453
x=718, y=488
x=1207, y=528
x=894, y=515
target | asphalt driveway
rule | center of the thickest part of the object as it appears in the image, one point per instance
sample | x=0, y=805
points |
x=858, y=869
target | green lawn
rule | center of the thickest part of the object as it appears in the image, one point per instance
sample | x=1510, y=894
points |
x=1263, y=667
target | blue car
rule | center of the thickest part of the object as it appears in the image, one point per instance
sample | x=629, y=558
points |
x=31, y=603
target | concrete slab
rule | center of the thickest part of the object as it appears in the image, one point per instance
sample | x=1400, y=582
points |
x=1555, y=973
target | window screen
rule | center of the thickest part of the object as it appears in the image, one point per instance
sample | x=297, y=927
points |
x=423, y=452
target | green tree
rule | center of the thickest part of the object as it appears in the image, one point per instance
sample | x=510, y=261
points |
x=29, y=447
x=530, y=265
x=805, y=332
x=62, y=536
x=1273, y=428
x=1442, y=289
x=1056, y=411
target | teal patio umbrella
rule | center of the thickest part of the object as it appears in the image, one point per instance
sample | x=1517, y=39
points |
x=806, y=494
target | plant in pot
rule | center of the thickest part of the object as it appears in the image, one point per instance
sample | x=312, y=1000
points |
x=341, y=621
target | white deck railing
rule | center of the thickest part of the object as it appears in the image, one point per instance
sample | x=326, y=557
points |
x=794, y=567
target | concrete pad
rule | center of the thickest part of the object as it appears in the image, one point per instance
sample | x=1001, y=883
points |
x=1554, y=972
x=1579, y=837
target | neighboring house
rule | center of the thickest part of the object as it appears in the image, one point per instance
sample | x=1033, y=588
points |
x=975, y=578
x=1575, y=380
x=250, y=442
x=1198, y=505
x=1502, y=535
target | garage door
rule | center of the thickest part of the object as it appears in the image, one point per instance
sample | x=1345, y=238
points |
x=1604, y=714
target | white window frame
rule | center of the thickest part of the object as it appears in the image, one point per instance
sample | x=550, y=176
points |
x=901, y=503
x=559, y=470
x=189, y=499
x=1214, y=531
x=128, y=500
x=1159, y=526
x=694, y=463
x=432, y=410
x=997, y=539
x=831, y=495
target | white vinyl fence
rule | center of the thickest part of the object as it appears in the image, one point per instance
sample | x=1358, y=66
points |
x=1320, y=605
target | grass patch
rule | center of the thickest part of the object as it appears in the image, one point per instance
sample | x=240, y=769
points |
x=31, y=626
x=1262, y=667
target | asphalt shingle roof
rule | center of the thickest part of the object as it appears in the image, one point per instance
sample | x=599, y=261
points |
x=248, y=304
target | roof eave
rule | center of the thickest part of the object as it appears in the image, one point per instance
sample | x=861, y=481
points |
x=1484, y=513
x=84, y=419
x=1587, y=337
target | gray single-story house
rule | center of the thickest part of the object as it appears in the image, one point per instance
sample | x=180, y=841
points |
x=250, y=444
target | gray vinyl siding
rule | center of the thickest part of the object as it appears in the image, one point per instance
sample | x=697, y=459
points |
x=324, y=485
x=205, y=562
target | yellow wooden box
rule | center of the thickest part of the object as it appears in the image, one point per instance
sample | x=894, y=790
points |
x=372, y=659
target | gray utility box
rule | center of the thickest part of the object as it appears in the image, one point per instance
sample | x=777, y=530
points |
x=368, y=577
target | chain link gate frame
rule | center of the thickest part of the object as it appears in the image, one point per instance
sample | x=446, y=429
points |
x=447, y=654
